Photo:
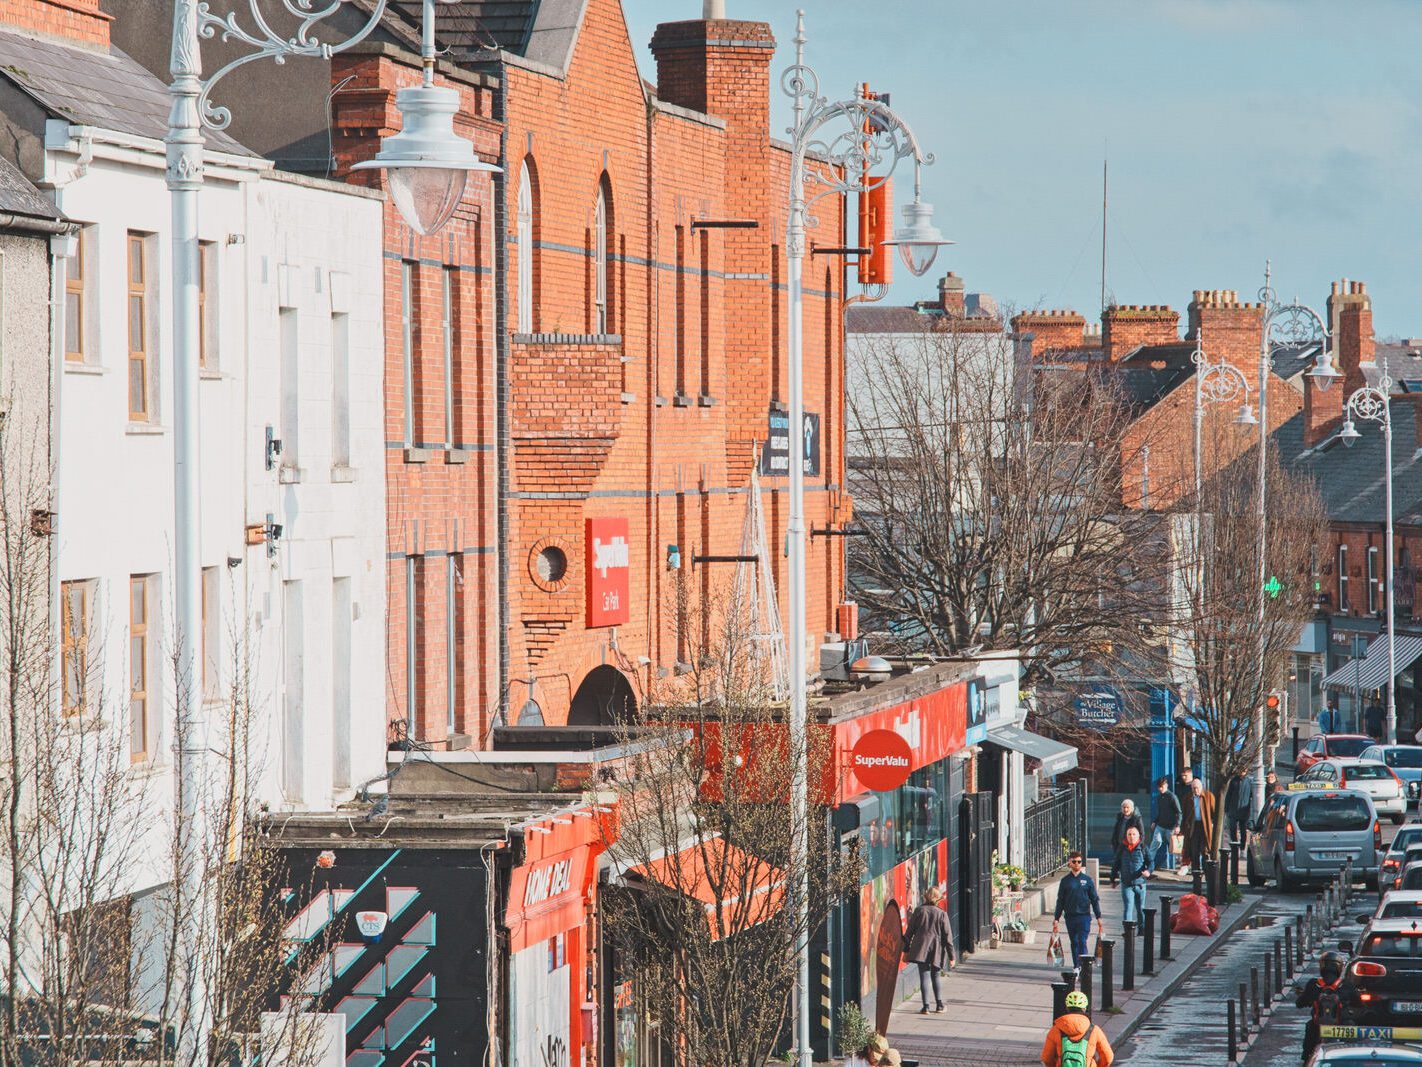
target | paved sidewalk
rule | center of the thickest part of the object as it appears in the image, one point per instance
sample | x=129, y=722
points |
x=999, y=1000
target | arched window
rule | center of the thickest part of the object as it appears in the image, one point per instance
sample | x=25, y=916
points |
x=602, y=244
x=525, y=248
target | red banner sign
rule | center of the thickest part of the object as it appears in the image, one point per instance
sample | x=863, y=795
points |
x=881, y=760
x=933, y=725
x=608, y=567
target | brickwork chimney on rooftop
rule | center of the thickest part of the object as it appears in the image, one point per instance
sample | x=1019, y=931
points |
x=1350, y=315
x=1125, y=327
x=1231, y=329
x=73, y=21
x=950, y=295
x=1052, y=331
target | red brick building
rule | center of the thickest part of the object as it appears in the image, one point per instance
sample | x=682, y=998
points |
x=617, y=354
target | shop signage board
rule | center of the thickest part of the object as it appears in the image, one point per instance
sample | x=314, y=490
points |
x=609, y=572
x=934, y=725
x=882, y=760
x=775, y=456
x=1100, y=708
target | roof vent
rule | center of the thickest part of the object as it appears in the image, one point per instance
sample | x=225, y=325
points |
x=870, y=669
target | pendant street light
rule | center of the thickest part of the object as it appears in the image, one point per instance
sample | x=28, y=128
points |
x=858, y=157
x=1374, y=404
x=427, y=163
x=427, y=145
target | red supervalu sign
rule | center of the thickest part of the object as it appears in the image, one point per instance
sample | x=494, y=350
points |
x=608, y=568
x=881, y=760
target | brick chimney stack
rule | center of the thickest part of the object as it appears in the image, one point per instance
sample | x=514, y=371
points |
x=1232, y=330
x=950, y=295
x=72, y=21
x=1350, y=314
x=719, y=67
x=1052, y=331
x=1125, y=327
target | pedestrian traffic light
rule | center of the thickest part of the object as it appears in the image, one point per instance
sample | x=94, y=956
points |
x=1272, y=702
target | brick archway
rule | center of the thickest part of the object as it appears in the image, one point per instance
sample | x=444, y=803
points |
x=604, y=698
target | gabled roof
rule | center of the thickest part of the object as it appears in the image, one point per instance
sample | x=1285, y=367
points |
x=108, y=90
x=543, y=31
x=1350, y=480
x=19, y=197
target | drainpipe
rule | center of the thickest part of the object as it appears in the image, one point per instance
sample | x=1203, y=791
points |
x=503, y=445
x=654, y=385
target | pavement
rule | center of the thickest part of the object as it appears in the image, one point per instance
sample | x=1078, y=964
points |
x=999, y=1001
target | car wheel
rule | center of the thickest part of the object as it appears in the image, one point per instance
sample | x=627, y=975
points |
x=1256, y=880
x=1284, y=883
x=1397, y=819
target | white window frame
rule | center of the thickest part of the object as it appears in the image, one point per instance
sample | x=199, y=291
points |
x=407, y=346
x=525, y=250
x=1343, y=579
x=600, y=260
x=449, y=291
x=1373, y=580
x=453, y=631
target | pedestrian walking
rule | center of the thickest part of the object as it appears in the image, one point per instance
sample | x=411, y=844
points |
x=1238, y=804
x=930, y=945
x=1073, y=1040
x=1128, y=818
x=1327, y=720
x=1078, y=901
x=1184, y=791
x=1373, y=719
x=1133, y=862
x=1198, y=823
x=1271, y=784
x=1164, y=822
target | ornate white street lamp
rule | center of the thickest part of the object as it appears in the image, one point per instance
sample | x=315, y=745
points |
x=1373, y=404
x=858, y=155
x=428, y=164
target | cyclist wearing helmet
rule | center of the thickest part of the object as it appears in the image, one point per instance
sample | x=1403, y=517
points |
x=1073, y=1041
x=1325, y=996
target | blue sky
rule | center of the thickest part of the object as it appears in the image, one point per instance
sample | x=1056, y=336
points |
x=1236, y=130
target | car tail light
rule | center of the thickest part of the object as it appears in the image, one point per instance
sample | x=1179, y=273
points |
x=1342, y=779
x=1391, y=865
x=1365, y=996
x=1364, y=969
x=1289, y=835
x=1395, y=778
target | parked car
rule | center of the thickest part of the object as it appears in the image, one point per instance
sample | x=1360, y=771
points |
x=1313, y=832
x=1385, y=975
x=1396, y=904
x=1321, y=746
x=1376, y=779
x=1405, y=761
x=1404, y=839
x=1355, y=1055
x=1410, y=877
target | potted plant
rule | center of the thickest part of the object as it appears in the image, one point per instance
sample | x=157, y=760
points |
x=1008, y=876
x=852, y=1031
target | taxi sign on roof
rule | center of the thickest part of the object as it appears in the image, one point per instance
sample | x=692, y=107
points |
x=1370, y=1033
x=1299, y=787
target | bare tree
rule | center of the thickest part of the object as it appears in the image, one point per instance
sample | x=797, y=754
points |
x=706, y=924
x=1222, y=650
x=990, y=506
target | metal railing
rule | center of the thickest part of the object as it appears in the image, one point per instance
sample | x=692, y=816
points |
x=1058, y=817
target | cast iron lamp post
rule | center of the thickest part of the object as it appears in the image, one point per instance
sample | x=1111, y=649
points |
x=1372, y=405
x=427, y=165
x=823, y=163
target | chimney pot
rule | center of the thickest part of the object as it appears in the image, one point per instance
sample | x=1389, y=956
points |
x=713, y=9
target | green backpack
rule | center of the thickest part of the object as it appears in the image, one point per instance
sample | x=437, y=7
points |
x=1074, y=1052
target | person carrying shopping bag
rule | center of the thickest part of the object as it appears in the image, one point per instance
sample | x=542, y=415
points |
x=1078, y=900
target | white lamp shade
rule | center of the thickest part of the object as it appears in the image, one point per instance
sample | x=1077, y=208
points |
x=1246, y=416
x=428, y=163
x=1349, y=433
x=918, y=240
x=1324, y=373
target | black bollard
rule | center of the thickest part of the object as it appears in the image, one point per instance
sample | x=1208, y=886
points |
x=1148, y=943
x=1108, y=964
x=1069, y=980
x=1296, y=744
x=1254, y=995
x=1059, y=992
x=1165, y=903
x=1308, y=932
x=1243, y=1008
x=1289, y=950
x=1197, y=880
x=1233, y=1039
x=1279, y=966
x=1128, y=963
x=1211, y=882
x=1084, y=984
x=1298, y=940
x=1268, y=980
x=1234, y=866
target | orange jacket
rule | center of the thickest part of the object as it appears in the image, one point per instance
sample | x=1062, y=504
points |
x=1075, y=1026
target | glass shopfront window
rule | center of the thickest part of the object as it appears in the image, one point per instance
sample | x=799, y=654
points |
x=909, y=820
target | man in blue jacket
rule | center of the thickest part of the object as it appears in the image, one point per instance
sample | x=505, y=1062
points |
x=1078, y=900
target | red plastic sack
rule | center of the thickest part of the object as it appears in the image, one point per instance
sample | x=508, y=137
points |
x=1194, y=916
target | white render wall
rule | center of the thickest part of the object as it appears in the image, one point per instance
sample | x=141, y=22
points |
x=276, y=242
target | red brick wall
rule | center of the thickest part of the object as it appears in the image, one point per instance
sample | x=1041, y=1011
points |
x=1125, y=327
x=1350, y=317
x=1052, y=331
x=78, y=21
x=1231, y=329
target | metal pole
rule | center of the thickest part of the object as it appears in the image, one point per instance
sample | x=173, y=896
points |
x=1263, y=537
x=1243, y=1008
x=1233, y=1039
x=1084, y=983
x=1391, y=612
x=1108, y=958
x=1254, y=995
x=1148, y=943
x=1165, y=903
x=184, y=178
x=1279, y=966
x=1268, y=979
x=1289, y=950
x=1128, y=964
x=1059, y=992
x=795, y=551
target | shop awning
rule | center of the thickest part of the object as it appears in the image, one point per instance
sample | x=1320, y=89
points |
x=1056, y=756
x=1370, y=672
x=744, y=888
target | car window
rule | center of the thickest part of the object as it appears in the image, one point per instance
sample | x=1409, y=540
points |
x=1333, y=813
x=1412, y=877
x=1347, y=746
x=1401, y=909
x=1392, y=944
x=1314, y=745
x=1365, y=772
x=1407, y=837
x=1407, y=756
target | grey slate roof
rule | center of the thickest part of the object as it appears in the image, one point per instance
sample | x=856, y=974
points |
x=90, y=88
x=1350, y=480
x=541, y=30
x=19, y=197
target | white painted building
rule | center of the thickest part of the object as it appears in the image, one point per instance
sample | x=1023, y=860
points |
x=292, y=341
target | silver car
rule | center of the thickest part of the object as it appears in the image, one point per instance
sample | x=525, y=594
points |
x=1377, y=779
x=1311, y=833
